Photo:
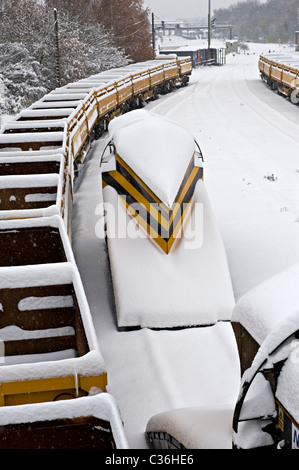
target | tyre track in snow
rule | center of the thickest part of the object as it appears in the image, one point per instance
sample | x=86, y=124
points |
x=262, y=142
x=285, y=124
x=245, y=136
x=171, y=102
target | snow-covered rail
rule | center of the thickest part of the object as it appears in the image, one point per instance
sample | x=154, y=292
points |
x=47, y=338
x=281, y=72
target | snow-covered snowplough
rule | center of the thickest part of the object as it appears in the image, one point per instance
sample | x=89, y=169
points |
x=156, y=180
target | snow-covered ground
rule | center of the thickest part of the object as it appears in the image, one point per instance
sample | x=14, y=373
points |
x=249, y=139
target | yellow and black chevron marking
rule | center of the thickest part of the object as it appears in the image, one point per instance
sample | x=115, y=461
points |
x=162, y=223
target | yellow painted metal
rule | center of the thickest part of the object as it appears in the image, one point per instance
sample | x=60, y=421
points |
x=160, y=222
x=285, y=76
x=47, y=389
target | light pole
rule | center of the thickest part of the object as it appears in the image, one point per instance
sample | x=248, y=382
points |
x=57, y=53
x=209, y=27
x=153, y=34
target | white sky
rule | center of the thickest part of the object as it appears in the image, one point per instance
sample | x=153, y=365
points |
x=172, y=9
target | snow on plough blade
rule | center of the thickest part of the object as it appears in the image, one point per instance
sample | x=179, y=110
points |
x=156, y=184
x=161, y=220
x=48, y=345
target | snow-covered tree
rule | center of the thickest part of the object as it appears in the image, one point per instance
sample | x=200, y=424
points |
x=20, y=79
x=85, y=48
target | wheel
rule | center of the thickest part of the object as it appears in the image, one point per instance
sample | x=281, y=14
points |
x=294, y=98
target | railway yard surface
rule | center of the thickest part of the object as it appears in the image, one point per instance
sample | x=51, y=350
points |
x=249, y=139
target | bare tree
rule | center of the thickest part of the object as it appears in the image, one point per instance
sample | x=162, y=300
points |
x=128, y=22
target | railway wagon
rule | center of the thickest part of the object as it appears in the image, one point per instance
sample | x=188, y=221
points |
x=91, y=422
x=266, y=413
x=78, y=111
x=280, y=72
x=47, y=337
x=48, y=346
x=49, y=350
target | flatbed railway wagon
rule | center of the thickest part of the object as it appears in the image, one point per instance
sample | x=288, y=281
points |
x=280, y=72
x=91, y=422
x=49, y=350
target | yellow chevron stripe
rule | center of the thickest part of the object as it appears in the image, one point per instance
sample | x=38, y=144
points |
x=139, y=181
x=178, y=203
x=157, y=215
x=178, y=227
x=153, y=233
x=140, y=198
x=166, y=246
